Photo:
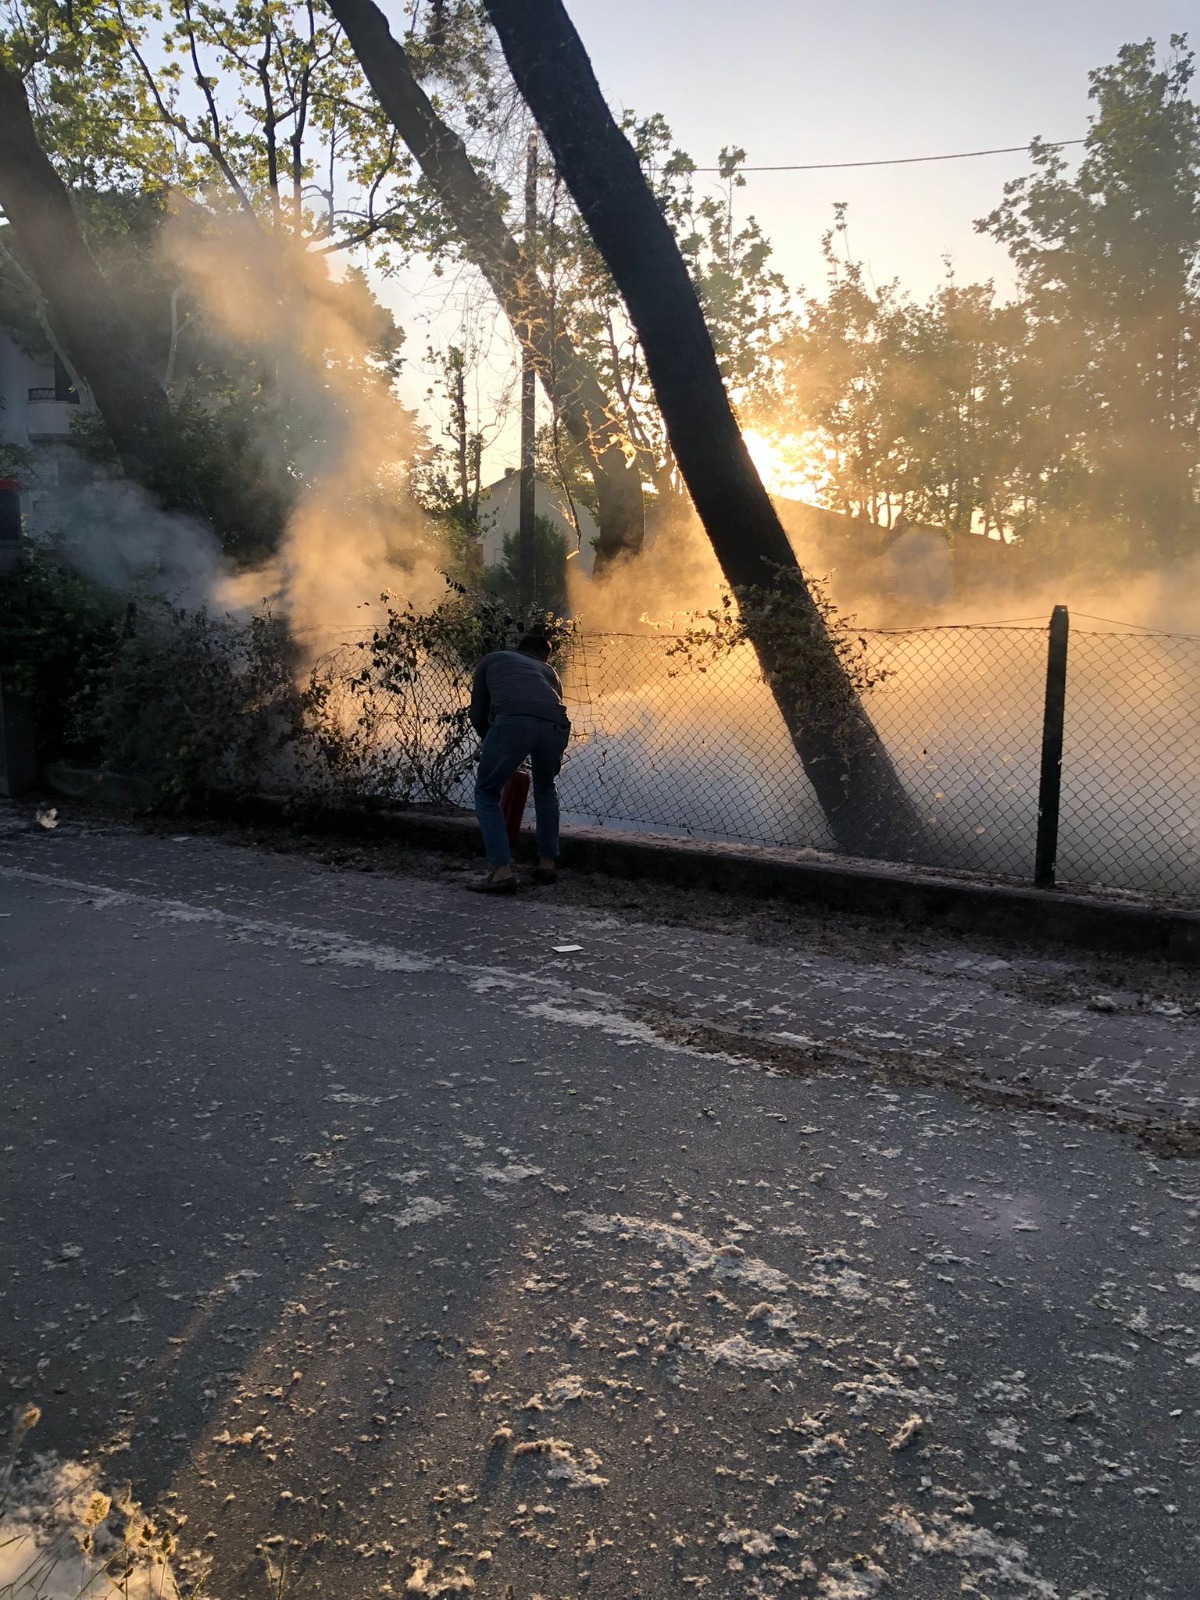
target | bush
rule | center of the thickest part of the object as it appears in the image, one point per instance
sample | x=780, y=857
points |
x=199, y=704
x=187, y=700
x=387, y=717
x=59, y=637
x=549, y=569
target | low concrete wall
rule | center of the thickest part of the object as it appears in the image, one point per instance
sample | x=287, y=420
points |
x=119, y=791
x=865, y=888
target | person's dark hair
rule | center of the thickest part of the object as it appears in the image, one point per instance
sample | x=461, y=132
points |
x=535, y=643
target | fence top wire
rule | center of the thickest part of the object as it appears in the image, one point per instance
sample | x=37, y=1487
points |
x=949, y=627
x=339, y=640
x=849, y=627
x=1009, y=625
x=1138, y=628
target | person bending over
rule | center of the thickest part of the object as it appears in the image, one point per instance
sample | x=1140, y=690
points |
x=517, y=710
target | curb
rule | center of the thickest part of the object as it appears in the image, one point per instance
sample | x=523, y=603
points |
x=908, y=895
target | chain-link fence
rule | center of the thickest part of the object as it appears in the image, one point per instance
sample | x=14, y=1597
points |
x=1131, y=763
x=693, y=745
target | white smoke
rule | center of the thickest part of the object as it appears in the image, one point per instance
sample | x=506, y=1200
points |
x=115, y=533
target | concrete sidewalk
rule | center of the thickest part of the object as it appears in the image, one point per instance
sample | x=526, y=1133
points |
x=1087, y=919
x=953, y=1015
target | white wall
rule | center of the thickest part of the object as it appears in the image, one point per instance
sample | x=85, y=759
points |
x=44, y=426
x=500, y=514
x=14, y=389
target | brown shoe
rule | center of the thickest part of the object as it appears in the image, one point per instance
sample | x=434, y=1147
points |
x=545, y=874
x=494, y=885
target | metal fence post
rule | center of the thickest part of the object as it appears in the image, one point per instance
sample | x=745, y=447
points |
x=1050, y=785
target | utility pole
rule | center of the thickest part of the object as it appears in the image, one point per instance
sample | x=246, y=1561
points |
x=525, y=537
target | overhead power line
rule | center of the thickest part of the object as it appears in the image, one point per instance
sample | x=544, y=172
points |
x=904, y=161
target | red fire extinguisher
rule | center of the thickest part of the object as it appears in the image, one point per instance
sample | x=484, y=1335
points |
x=512, y=804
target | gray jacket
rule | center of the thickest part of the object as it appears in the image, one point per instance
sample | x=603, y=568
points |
x=511, y=683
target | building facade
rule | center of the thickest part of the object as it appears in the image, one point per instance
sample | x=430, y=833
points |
x=37, y=403
x=500, y=517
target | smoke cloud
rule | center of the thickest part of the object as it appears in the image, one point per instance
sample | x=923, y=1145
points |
x=118, y=535
x=702, y=750
x=355, y=530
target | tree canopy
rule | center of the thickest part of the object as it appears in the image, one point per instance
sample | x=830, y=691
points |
x=1064, y=417
x=1109, y=264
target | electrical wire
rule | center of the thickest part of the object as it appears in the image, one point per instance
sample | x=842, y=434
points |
x=905, y=161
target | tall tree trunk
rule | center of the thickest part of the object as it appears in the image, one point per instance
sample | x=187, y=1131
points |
x=862, y=797
x=98, y=339
x=572, y=387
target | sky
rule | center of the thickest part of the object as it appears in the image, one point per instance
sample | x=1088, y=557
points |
x=856, y=80
x=863, y=79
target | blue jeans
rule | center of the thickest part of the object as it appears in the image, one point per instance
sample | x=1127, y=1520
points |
x=509, y=741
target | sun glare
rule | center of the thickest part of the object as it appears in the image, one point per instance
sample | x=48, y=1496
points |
x=777, y=461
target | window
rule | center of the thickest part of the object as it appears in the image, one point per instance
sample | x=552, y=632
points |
x=64, y=389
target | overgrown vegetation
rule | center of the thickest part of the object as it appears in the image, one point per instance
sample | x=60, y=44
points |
x=59, y=637
x=195, y=705
x=184, y=700
x=817, y=660
x=387, y=716
x=792, y=628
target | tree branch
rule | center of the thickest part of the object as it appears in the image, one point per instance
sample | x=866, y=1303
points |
x=270, y=121
x=214, y=146
x=180, y=124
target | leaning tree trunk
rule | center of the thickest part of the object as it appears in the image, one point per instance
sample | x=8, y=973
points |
x=478, y=220
x=862, y=797
x=96, y=336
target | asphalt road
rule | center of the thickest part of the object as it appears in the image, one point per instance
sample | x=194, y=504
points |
x=383, y=1241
